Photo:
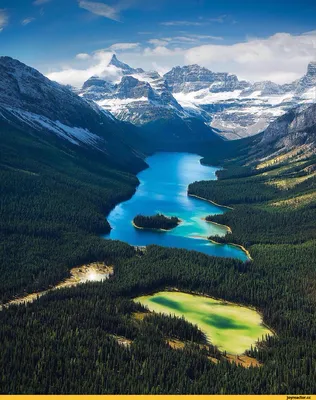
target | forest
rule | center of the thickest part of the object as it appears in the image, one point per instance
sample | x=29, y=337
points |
x=158, y=221
x=52, y=206
x=52, y=213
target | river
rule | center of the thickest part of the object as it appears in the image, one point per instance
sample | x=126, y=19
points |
x=163, y=189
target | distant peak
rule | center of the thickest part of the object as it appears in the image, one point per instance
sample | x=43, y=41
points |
x=124, y=67
x=6, y=60
x=119, y=64
x=114, y=59
x=311, y=68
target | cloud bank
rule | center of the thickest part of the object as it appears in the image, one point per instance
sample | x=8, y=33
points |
x=280, y=58
x=98, y=66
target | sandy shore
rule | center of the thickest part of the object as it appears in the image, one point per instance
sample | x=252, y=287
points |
x=210, y=201
x=235, y=245
x=228, y=228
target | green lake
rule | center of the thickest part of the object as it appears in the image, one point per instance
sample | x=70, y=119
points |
x=232, y=328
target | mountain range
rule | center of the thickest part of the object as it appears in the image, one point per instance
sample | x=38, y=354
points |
x=231, y=107
x=48, y=111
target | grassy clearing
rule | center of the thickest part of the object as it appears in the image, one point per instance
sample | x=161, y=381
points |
x=232, y=328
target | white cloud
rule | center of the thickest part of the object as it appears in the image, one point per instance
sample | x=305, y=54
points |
x=40, y=2
x=185, y=40
x=101, y=9
x=123, y=46
x=83, y=56
x=98, y=66
x=195, y=38
x=27, y=21
x=182, y=23
x=159, y=42
x=280, y=58
x=4, y=19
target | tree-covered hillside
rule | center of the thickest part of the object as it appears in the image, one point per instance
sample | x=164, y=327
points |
x=54, y=197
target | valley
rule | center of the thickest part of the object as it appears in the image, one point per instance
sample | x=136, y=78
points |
x=163, y=189
x=69, y=192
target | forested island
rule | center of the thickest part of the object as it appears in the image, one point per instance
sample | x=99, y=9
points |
x=158, y=221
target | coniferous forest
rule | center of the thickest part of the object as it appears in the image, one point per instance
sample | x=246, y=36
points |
x=52, y=206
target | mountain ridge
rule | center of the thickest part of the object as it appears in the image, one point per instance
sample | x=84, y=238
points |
x=234, y=108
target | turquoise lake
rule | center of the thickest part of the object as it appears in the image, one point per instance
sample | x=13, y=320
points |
x=163, y=189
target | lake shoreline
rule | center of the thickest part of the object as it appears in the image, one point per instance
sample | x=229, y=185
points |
x=155, y=229
x=234, y=245
x=210, y=201
x=229, y=229
x=172, y=191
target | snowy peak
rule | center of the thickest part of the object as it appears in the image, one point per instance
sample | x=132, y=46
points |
x=97, y=88
x=308, y=80
x=234, y=107
x=35, y=105
x=311, y=69
x=265, y=88
x=193, y=78
x=126, y=69
x=24, y=87
x=130, y=87
x=140, y=96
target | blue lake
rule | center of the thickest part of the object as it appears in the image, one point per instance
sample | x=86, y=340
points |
x=163, y=189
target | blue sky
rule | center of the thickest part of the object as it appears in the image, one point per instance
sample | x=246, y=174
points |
x=57, y=36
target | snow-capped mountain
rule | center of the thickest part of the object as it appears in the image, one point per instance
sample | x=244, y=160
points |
x=238, y=108
x=31, y=102
x=140, y=97
x=234, y=108
x=146, y=100
x=193, y=78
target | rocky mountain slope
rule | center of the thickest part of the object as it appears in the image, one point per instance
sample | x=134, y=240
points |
x=229, y=106
x=31, y=102
x=238, y=108
x=294, y=132
x=145, y=99
x=139, y=97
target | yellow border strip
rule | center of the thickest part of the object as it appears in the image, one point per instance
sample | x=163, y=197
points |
x=157, y=397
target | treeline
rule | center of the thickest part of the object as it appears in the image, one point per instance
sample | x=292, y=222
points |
x=158, y=221
x=173, y=327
